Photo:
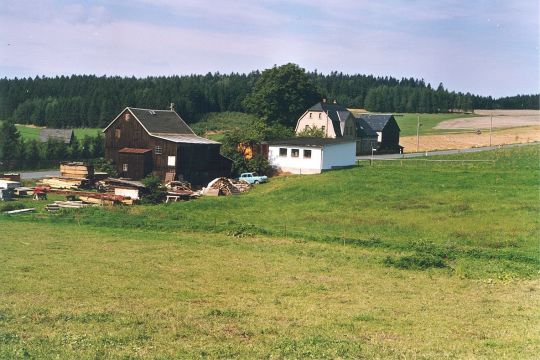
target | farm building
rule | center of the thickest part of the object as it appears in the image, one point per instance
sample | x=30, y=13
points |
x=63, y=135
x=311, y=155
x=387, y=131
x=337, y=122
x=144, y=141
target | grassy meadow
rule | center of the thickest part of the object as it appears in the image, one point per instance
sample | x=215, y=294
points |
x=412, y=259
x=408, y=122
x=31, y=133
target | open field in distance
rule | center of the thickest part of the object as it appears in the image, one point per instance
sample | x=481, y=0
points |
x=500, y=119
x=463, y=140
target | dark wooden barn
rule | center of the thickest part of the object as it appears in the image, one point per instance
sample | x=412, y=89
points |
x=387, y=131
x=144, y=141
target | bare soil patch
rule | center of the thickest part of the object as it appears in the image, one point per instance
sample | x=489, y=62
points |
x=472, y=139
x=501, y=119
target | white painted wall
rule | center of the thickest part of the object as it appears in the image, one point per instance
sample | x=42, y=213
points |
x=339, y=155
x=299, y=165
x=321, y=158
x=316, y=119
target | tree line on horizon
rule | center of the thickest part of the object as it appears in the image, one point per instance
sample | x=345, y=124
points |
x=93, y=101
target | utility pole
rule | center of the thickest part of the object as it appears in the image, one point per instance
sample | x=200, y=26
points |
x=490, y=127
x=418, y=133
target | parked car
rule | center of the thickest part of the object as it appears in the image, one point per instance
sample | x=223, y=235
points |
x=253, y=178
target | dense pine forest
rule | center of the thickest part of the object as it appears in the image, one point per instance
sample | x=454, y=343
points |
x=92, y=101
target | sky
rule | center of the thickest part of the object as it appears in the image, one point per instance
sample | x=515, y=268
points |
x=478, y=46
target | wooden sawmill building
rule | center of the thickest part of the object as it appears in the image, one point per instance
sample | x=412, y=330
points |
x=145, y=141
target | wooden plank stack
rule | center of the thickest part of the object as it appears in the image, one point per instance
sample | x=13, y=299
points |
x=76, y=170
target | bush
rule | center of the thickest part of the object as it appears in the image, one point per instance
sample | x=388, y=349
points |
x=416, y=262
x=155, y=192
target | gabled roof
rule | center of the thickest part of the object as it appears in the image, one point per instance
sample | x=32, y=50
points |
x=363, y=129
x=376, y=121
x=309, y=142
x=63, y=135
x=164, y=124
x=161, y=121
x=338, y=115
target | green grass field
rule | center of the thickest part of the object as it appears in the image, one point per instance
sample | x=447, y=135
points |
x=30, y=133
x=397, y=260
x=408, y=122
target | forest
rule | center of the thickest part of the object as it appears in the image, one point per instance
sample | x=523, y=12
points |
x=93, y=101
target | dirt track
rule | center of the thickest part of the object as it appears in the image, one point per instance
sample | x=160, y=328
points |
x=501, y=119
x=471, y=139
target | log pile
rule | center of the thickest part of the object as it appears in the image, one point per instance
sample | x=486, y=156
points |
x=241, y=185
x=221, y=186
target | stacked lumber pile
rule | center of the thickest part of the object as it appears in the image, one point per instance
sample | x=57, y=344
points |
x=65, y=183
x=57, y=205
x=220, y=186
x=76, y=170
x=11, y=177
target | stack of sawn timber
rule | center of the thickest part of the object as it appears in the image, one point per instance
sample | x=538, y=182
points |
x=73, y=175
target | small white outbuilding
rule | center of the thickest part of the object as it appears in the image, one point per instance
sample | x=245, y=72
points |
x=311, y=155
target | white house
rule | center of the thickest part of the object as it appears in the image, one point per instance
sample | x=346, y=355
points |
x=311, y=155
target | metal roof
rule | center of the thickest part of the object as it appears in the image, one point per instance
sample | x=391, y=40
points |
x=133, y=151
x=309, y=142
x=191, y=139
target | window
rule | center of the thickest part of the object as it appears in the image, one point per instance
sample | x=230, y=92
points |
x=307, y=154
x=171, y=160
x=158, y=150
x=117, y=133
x=282, y=152
x=295, y=152
x=306, y=127
x=319, y=115
x=310, y=114
x=127, y=116
x=323, y=128
x=124, y=167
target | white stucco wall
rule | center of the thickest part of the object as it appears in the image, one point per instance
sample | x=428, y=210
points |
x=299, y=165
x=316, y=119
x=321, y=158
x=339, y=155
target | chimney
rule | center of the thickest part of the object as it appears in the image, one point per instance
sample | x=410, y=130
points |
x=324, y=100
x=172, y=106
x=335, y=102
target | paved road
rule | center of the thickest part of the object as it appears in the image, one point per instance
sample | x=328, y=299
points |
x=440, y=152
x=39, y=174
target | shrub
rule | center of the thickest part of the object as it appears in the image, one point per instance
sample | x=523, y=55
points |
x=155, y=192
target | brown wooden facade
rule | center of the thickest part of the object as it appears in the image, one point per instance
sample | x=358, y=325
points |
x=137, y=153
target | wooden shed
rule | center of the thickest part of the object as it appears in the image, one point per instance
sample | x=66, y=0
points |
x=144, y=141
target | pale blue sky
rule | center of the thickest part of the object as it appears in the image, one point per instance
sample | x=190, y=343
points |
x=485, y=47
